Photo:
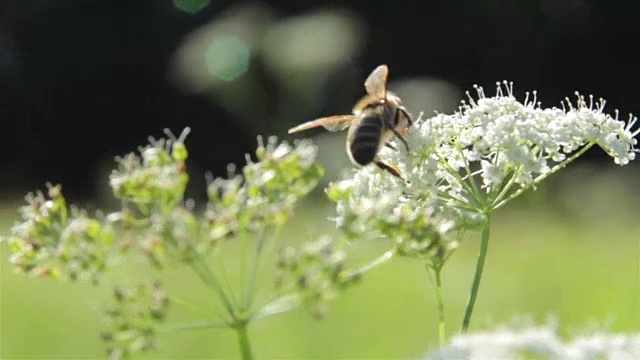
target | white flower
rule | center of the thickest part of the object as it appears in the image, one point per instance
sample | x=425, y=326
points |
x=538, y=343
x=486, y=154
x=491, y=173
x=498, y=141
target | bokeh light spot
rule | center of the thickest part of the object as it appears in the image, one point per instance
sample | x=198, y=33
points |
x=227, y=58
x=191, y=6
x=314, y=42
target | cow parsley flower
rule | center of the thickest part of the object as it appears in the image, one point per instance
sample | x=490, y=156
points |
x=538, y=342
x=461, y=167
x=491, y=150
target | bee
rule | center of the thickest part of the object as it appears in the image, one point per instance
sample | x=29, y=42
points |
x=376, y=119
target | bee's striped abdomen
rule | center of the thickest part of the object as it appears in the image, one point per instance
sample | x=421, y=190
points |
x=366, y=140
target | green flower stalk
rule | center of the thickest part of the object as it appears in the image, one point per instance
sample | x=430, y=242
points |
x=464, y=166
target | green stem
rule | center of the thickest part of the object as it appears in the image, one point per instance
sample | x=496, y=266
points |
x=243, y=341
x=278, y=306
x=196, y=326
x=208, y=277
x=250, y=290
x=456, y=202
x=504, y=191
x=243, y=265
x=472, y=194
x=484, y=244
x=498, y=203
x=442, y=337
x=472, y=179
x=372, y=264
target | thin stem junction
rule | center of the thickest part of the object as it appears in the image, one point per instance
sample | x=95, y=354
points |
x=243, y=341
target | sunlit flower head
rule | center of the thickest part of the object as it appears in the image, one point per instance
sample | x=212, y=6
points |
x=489, y=151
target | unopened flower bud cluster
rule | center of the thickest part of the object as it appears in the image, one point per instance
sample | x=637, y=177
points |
x=53, y=240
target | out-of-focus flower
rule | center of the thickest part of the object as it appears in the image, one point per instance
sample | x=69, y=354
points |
x=132, y=323
x=54, y=241
x=538, y=343
x=266, y=191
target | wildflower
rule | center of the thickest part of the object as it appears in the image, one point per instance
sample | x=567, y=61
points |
x=57, y=241
x=264, y=194
x=539, y=342
x=132, y=323
x=489, y=151
x=156, y=179
x=461, y=167
x=316, y=271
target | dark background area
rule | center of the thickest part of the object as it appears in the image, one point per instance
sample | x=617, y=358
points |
x=83, y=81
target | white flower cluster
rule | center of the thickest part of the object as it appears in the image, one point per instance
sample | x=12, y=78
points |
x=494, y=148
x=538, y=343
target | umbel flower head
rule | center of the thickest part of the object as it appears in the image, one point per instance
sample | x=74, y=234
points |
x=134, y=319
x=538, y=342
x=265, y=192
x=491, y=150
x=61, y=242
x=496, y=145
x=462, y=166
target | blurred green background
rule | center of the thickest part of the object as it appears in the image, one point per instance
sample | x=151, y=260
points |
x=570, y=250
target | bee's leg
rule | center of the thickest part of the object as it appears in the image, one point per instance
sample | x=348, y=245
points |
x=390, y=146
x=400, y=137
x=386, y=167
x=406, y=114
x=396, y=117
x=395, y=121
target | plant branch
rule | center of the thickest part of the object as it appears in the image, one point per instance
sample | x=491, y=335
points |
x=540, y=178
x=470, y=174
x=195, y=326
x=250, y=291
x=465, y=185
x=484, y=244
x=373, y=263
x=278, y=306
x=442, y=336
x=209, y=278
x=243, y=341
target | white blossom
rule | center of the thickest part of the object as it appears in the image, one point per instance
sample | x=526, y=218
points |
x=490, y=149
x=538, y=343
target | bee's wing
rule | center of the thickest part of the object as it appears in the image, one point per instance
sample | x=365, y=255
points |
x=376, y=83
x=331, y=123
